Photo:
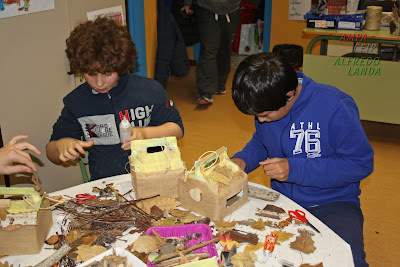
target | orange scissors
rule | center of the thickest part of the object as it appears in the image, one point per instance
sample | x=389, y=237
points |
x=82, y=198
x=300, y=215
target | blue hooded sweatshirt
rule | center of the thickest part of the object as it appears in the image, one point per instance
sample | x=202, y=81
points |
x=324, y=142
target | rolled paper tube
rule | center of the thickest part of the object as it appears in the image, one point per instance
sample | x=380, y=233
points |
x=373, y=18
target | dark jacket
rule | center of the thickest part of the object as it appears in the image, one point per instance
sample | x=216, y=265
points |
x=97, y=117
x=171, y=49
x=220, y=7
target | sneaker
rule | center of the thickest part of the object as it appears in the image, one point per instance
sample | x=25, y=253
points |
x=221, y=91
x=205, y=99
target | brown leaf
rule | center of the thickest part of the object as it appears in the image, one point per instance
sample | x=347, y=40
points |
x=5, y=264
x=242, y=259
x=282, y=236
x=88, y=240
x=52, y=240
x=283, y=224
x=156, y=211
x=303, y=243
x=251, y=247
x=3, y=214
x=309, y=265
x=191, y=217
x=147, y=244
x=162, y=202
x=86, y=252
x=224, y=226
x=259, y=225
x=11, y=227
x=73, y=235
x=178, y=213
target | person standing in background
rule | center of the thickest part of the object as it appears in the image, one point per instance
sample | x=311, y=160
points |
x=217, y=21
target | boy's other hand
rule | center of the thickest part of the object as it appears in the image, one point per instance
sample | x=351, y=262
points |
x=14, y=160
x=71, y=149
x=242, y=165
x=276, y=168
x=136, y=134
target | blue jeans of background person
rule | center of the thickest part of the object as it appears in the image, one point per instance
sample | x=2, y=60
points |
x=346, y=220
x=216, y=37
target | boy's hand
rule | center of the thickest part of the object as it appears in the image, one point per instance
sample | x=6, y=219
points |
x=136, y=134
x=276, y=168
x=14, y=160
x=242, y=165
x=71, y=149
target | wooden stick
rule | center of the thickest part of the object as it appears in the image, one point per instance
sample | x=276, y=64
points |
x=176, y=261
x=55, y=257
x=186, y=251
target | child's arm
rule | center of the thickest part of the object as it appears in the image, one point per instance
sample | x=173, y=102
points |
x=66, y=149
x=166, y=129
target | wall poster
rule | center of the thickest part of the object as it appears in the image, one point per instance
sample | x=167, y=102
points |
x=11, y=8
x=115, y=13
x=298, y=9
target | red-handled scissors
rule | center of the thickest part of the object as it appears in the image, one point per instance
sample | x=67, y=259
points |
x=82, y=198
x=300, y=215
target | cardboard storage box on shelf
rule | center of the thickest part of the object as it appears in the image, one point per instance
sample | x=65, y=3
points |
x=25, y=228
x=156, y=166
x=207, y=191
x=320, y=21
x=350, y=21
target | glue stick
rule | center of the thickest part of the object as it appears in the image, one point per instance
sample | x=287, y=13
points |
x=124, y=130
x=269, y=245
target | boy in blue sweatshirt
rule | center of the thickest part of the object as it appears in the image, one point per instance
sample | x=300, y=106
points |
x=309, y=141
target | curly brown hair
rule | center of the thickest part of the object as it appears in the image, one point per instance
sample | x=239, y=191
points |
x=100, y=46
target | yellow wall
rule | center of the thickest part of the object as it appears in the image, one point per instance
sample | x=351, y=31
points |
x=150, y=16
x=285, y=31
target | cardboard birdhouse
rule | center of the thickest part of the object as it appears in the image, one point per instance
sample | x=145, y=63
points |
x=216, y=188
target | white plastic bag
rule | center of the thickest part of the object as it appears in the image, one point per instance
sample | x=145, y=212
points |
x=251, y=38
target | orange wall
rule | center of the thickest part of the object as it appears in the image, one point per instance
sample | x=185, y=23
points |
x=285, y=31
x=150, y=16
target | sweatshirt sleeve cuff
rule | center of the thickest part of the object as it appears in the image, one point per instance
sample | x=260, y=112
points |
x=295, y=170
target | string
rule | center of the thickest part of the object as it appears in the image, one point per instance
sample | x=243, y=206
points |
x=373, y=18
x=202, y=155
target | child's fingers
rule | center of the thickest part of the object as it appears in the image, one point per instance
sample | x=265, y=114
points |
x=15, y=139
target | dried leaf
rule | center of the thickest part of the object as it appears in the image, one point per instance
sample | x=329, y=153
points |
x=52, y=240
x=259, y=225
x=224, y=226
x=309, y=265
x=162, y=202
x=147, y=244
x=5, y=264
x=303, y=243
x=244, y=259
x=226, y=242
x=11, y=227
x=167, y=221
x=178, y=213
x=156, y=211
x=282, y=236
x=251, y=247
x=88, y=240
x=3, y=214
x=248, y=222
x=283, y=224
x=191, y=217
x=73, y=235
x=87, y=252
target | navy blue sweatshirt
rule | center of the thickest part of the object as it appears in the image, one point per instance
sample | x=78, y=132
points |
x=97, y=116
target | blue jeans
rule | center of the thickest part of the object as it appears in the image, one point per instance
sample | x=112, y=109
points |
x=346, y=220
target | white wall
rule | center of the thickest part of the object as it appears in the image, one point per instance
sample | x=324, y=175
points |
x=33, y=82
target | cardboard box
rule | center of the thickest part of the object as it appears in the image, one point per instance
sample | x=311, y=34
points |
x=329, y=7
x=320, y=21
x=163, y=183
x=28, y=239
x=350, y=21
x=156, y=166
x=215, y=201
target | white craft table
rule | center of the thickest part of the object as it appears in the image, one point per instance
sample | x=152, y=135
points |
x=331, y=249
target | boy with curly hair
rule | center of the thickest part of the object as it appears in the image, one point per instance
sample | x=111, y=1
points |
x=104, y=53
x=309, y=140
